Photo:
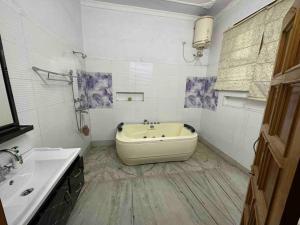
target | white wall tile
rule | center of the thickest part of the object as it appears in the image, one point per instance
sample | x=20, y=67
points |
x=42, y=41
x=123, y=112
x=124, y=82
x=166, y=86
x=23, y=94
x=145, y=52
x=30, y=139
x=48, y=94
x=232, y=129
x=58, y=126
x=144, y=79
x=167, y=110
x=163, y=69
x=42, y=36
x=10, y=23
x=103, y=124
x=235, y=125
x=122, y=35
x=191, y=114
x=146, y=110
x=16, y=59
x=63, y=18
x=97, y=65
x=121, y=68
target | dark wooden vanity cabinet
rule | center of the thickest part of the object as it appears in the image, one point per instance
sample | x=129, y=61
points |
x=76, y=180
x=59, y=204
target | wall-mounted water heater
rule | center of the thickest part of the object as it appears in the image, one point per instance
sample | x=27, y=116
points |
x=202, y=35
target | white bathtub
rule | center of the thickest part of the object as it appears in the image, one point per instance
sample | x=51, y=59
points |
x=140, y=144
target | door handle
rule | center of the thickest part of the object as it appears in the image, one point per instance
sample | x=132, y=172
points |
x=254, y=144
x=77, y=174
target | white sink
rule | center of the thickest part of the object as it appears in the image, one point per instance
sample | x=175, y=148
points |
x=41, y=170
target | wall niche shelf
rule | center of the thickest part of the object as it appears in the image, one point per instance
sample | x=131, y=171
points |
x=130, y=96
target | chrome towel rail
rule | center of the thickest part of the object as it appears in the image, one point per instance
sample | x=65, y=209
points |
x=69, y=76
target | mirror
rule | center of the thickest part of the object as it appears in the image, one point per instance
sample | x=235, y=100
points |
x=9, y=123
x=5, y=112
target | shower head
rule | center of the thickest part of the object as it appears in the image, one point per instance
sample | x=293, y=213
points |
x=80, y=53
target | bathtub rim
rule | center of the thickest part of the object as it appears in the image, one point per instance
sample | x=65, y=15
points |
x=125, y=139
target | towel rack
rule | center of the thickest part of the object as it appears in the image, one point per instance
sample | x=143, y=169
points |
x=69, y=75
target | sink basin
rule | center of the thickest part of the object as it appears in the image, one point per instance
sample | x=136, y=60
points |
x=29, y=185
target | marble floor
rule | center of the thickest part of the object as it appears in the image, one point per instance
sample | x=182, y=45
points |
x=205, y=190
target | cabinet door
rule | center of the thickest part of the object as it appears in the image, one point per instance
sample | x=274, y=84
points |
x=57, y=206
x=76, y=179
x=58, y=195
x=57, y=214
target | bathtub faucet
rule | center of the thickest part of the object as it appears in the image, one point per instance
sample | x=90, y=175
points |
x=151, y=126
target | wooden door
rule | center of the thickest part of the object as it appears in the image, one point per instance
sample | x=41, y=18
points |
x=271, y=192
x=2, y=216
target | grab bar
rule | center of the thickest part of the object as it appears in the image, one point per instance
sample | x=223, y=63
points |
x=120, y=127
x=189, y=127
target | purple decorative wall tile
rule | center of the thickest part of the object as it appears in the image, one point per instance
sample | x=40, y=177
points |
x=199, y=93
x=95, y=89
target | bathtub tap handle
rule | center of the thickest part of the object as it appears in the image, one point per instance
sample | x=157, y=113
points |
x=189, y=127
x=120, y=127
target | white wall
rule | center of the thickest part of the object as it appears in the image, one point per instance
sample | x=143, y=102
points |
x=142, y=48
x=42, y=34
x=126, y=41
x=235, y=125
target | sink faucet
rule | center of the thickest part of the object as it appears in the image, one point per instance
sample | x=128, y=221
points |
x=15, y=153
x=5, y=169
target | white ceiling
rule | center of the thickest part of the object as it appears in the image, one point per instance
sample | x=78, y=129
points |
x=192, y=7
